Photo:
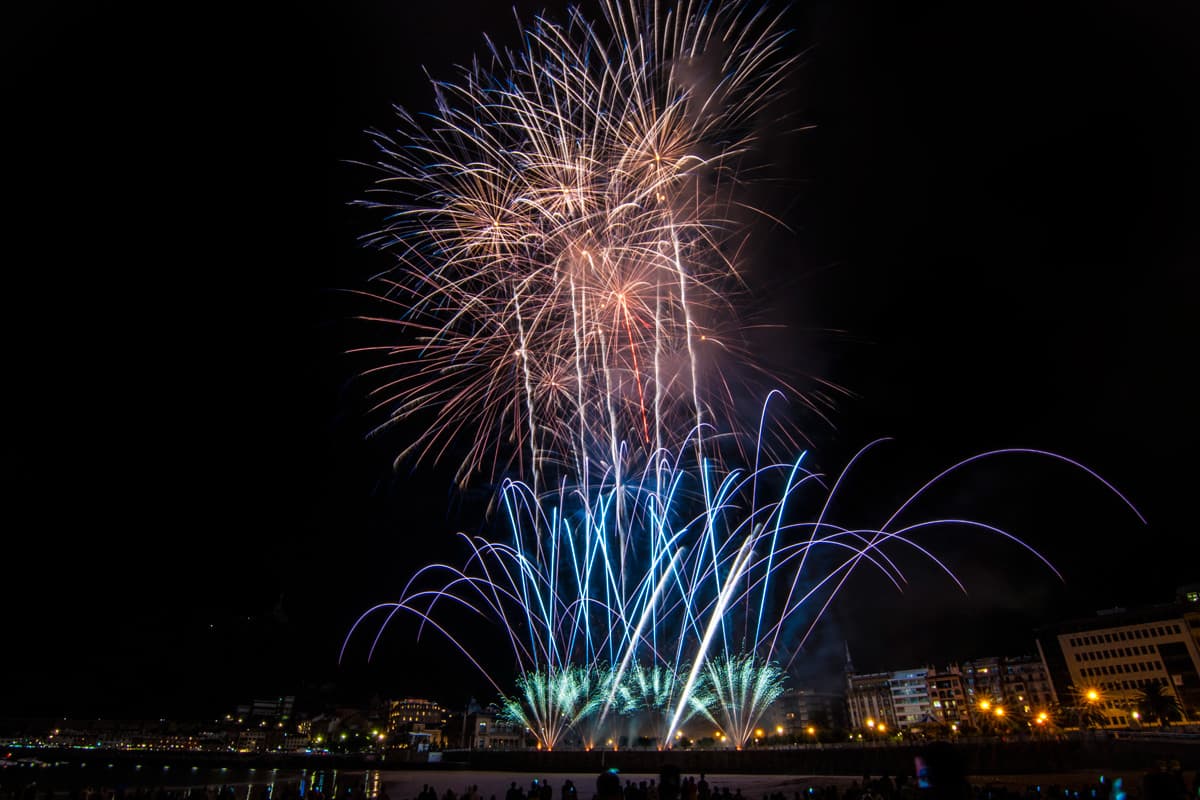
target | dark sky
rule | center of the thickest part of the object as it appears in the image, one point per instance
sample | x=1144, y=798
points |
x=995, y=245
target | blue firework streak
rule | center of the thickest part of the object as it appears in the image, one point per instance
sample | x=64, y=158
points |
x=683, y=605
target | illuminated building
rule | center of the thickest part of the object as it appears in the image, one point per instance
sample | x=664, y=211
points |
x=1010, y=679
x=910, y=696
x=415, y=722
x=1121, y=653
x=948, y=701
x=869, y=697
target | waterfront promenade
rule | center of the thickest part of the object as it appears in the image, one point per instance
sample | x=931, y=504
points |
x=1068, y=753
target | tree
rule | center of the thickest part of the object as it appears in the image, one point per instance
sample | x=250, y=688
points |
x=1086, y=707
x=1158, y=703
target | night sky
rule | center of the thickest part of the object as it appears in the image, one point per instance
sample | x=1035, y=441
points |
x=994, y=243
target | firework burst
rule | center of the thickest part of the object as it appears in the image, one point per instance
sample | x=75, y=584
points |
x=566, y=228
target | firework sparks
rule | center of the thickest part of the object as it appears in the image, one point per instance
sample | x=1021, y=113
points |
x=563, y=225
x=725, y=562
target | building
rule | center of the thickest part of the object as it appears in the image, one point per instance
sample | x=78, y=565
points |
x=910, y=696
x=274, y=708
x=803, y=713
x=950, y=696
x=483, y=729
x=1027, y=681
x=1013, y=680
x=869, y=700
x=948, y=701
x=983, y=680
x=414, y=711
x=269, y=709
x=1111, y=658
x=415, y=722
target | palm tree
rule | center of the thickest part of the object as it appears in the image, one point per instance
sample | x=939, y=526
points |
x=1086, y=707
x=1159, y=703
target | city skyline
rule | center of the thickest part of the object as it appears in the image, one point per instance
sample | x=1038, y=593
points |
x=1004, y=246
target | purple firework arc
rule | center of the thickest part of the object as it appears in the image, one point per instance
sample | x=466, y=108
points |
x=708, y=604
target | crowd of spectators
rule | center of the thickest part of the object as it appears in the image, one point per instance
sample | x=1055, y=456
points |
x=937, y=774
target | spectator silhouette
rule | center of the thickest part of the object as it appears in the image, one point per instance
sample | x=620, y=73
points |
x=941, y=773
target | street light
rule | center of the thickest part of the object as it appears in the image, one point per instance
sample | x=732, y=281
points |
x=1093, y=698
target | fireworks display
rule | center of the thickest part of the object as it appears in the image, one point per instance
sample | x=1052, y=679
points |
x=566, y=228
x=699, y=615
